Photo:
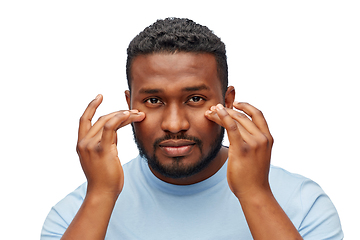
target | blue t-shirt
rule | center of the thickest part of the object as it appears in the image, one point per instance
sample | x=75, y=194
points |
x=149, y=208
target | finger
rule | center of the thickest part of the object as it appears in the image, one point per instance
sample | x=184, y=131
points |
x=99, y=124
x=116, y=122
x=135, y=116
x=244, y=121
x=232, y=128
x=256, y=115
x=126, y=117
x=85, y=120
x=109, y=130
x=212, y=116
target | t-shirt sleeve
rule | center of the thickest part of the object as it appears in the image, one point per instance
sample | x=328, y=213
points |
x=54, y=226
x=320, y=218
x=61, y=215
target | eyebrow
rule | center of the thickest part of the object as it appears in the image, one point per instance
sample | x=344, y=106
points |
x=151, y=90
x=185, y=89
x=195, y=88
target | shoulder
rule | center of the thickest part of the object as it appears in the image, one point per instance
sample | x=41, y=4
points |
x=286, y=186
x=277, y=174
x=291, y=185
x=73, y=199
x=307, y=205
x=61, y=215
x=292, y=189
x=70, y=204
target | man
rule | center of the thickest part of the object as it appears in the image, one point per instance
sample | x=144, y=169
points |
x=185, y=184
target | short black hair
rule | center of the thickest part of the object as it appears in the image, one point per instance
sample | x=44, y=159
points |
x=173, y=35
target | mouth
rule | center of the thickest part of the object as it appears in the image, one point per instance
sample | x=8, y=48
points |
x=177, y=147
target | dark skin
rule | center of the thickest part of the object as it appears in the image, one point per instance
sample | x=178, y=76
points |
x=173, y=93
x=174, y=96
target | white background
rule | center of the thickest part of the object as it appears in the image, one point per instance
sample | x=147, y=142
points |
x=297, y=61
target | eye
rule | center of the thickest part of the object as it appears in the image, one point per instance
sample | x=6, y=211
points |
x=196, y=100
x=152, y=101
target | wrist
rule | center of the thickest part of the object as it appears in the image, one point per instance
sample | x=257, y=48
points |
x=257, y=195
x=97, y=197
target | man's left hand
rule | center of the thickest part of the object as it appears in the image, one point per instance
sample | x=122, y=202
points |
x=250, y=148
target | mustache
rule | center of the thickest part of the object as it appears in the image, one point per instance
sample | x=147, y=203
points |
x=178, y=136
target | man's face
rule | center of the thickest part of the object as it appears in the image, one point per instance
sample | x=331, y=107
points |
x=174, y=91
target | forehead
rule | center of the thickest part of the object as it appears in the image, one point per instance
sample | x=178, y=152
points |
x=174, y=69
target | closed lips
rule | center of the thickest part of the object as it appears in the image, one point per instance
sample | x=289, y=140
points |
x=176, y=143
x=176, y=148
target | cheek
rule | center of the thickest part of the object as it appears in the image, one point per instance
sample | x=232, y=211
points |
x=203, y=127
x=149, y=128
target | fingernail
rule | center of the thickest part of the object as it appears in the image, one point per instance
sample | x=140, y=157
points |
x=213, y=108
x=126, y=112
x=134, y=111
x=219, y=106
x=208, y=112
x=236, y=102
x=98, y=96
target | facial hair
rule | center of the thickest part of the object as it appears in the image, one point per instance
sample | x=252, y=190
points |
x=177, y=170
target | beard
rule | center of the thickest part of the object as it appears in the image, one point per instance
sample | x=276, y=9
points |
x=177, y=169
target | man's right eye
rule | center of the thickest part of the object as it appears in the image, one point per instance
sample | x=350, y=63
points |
x=153, y=101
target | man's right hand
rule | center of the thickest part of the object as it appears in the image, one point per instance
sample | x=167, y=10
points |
x=97, y=148
x=99, y=159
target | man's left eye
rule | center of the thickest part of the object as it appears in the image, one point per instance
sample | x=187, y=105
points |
x=196, y=99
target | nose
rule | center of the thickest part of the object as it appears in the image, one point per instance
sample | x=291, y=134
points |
x=174, y=119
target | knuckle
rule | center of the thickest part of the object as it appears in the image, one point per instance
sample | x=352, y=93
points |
x=254, y=145
x=90, y=146
x=99, y=149
x=271, y=140
x=108, y=126
x=266, y=141
x=263, y=140
x=92, y=104
x=101, y=118
x=247, y=105
x=94, y=147
x=258, y=111
x=245, y=149
x=232, y=127
x=81, y=146
x=242, y=115
x=259, y=143
x=78, y=150
x=82, y=119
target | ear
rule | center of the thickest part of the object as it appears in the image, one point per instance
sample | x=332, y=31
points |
x=128, y=98
x=229, y=97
